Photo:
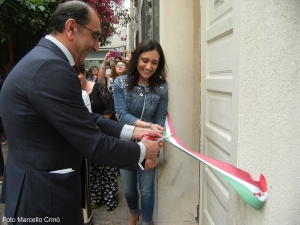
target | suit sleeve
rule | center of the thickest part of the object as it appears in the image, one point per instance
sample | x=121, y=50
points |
x=56, y=96
x=110, y=125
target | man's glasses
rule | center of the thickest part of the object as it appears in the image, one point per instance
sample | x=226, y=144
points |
x=95, y=34
x=120, y=65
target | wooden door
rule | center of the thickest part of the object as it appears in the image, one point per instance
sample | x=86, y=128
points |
x=219, y=106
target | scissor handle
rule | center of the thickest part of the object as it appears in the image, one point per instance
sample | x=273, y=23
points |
x=149, y=137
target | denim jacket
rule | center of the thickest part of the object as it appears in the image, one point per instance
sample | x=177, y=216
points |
x=130, y=106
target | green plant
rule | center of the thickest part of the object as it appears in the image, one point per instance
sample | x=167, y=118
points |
x=24, y=22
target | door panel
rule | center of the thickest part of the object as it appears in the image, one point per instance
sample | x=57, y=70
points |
x=214, y=210
x=219, y=107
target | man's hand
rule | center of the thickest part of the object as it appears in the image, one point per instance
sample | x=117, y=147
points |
x=152, y=148
x=138, y=132
x=151, y=163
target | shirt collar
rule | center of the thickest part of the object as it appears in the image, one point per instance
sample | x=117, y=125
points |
x=63, y=48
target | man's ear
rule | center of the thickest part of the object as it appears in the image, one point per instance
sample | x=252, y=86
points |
x=70, y=28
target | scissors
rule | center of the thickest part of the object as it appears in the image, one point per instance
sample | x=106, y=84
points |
x=153, y=139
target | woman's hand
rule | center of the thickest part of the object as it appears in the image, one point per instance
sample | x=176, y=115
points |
x=138, y=132
x=151, y=163
x=107, y=58
x=157, y=127
x=128, y=55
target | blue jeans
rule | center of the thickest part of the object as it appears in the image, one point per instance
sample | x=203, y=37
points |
x=146, y=184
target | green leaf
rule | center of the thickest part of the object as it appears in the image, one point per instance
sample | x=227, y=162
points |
x=32, y=6
x=42, y=8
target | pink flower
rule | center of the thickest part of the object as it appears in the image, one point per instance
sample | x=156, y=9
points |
x=109, y=12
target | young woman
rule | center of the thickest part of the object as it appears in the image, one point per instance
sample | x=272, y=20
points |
x=141, y=99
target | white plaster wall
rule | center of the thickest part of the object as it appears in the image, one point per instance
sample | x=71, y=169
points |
x=178, y=177
x=269, y=112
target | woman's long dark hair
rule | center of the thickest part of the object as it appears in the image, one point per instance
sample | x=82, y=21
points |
x=159, y=76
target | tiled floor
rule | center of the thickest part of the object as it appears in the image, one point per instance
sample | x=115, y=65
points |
x=119, y=216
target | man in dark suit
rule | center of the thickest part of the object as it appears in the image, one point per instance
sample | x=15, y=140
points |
x=50, y=130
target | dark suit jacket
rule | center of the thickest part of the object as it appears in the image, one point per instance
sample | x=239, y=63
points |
x=49, y=128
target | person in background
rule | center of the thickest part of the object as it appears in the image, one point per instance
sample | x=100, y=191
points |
x=50, y=131
x=102, y=78
x=118, y=68
x=93, y=74
x=115, y=71
x=100, y=97
x=141, y=99
x=104, y=186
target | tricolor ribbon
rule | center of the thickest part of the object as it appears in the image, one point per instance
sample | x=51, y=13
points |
x=253, y=192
